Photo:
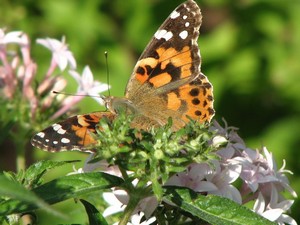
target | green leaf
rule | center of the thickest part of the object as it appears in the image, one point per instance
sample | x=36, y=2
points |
x=18, y=194
x=37, y=170
x=213, y=209
x=76, y=185
x=95, y=217
x=62, y=189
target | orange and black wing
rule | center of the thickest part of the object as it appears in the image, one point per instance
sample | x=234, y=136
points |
x=74, y=133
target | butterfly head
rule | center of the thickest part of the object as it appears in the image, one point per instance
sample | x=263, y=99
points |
x=117, y=104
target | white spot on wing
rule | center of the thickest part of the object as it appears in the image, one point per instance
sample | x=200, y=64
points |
x=55, y=142
x=65, y=140
x=56, y=126
x=183, y=34
x=47, y=140
x=184, y=17
x=174, y=14
x=61, y=131
x=167, y=35
x=187, y=24
x=41, y=134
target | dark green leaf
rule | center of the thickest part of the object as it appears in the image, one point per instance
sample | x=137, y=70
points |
x=95, y=218
x=213, y=209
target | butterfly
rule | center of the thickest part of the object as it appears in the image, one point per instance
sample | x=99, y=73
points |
x=166, y=82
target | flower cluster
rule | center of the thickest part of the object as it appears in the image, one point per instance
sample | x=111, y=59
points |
x=241, y=174
x=20, y=70
x=26, y=90
x=262, y=181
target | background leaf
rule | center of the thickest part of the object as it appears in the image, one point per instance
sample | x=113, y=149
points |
x=55, y=191
x=20, y=196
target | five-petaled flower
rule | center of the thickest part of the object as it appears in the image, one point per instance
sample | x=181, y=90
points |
x=87, y=86
x=61, y=55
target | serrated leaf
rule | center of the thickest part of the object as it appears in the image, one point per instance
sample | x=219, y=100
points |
x=62, y=189
x=213, y=209
x=37, y=170
x=95, y=217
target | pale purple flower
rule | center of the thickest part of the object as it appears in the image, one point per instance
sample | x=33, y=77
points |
x=61, y=55
x=102, y=166
x=251, y=172
x=28, y=91
x=7, y=74
x=275, y=209
x=209, y=179
x=193, y=178
x=262, y=181
x=11, y=60
x=227, y=132
x=18, y=69
x=259, y=171
x=282, y=182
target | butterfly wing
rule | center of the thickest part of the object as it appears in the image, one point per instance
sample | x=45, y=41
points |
x=166, y=81
x=74, y=133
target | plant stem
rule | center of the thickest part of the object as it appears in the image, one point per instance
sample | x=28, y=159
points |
x=20, y=162
x=133, y=201
x=20, y=147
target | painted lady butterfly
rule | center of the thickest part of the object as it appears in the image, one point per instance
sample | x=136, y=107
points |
x=166, y=82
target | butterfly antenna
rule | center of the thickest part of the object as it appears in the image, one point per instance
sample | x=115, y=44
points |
x=107, y=74
x=80, y=95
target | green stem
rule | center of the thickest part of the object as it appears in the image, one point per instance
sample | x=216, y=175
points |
x=133, y=201
x=20, y=162
x=20, y=144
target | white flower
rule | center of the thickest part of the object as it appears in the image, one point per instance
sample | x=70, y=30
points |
x=115, y=205
x=137, y=218
x=61, y=54
x=87, y=85
x=11, y=37
x=118, y=200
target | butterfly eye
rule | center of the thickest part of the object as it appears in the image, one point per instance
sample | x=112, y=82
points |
x=117, y=105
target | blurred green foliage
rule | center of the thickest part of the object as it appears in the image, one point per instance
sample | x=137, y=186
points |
x=250, y=52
